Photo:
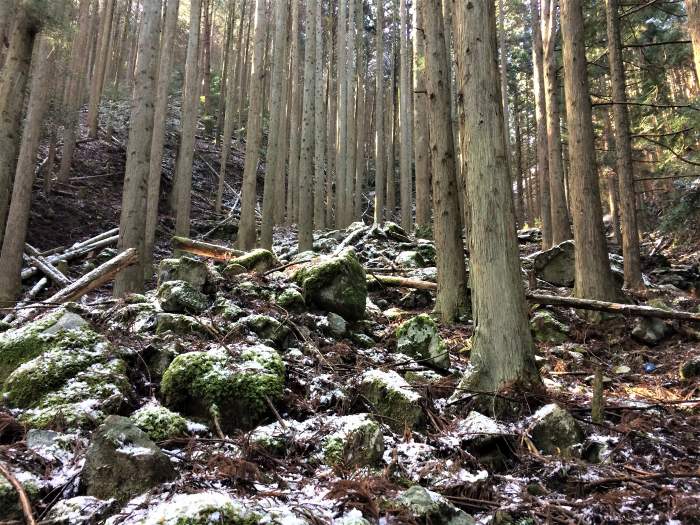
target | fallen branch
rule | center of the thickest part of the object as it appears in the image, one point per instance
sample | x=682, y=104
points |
x=205, y=249
x=49, y=270
x=402, y=282
x=88, y=282
x=23, y=499
x=31, y=294
x=615, y=308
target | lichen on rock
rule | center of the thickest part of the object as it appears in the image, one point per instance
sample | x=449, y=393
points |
x=546, y=329
x=205, y=508
x=181, y=297
x=555, y=431
x=419, y=338
x=159, y=422
x=393, y=398
x=256, y=261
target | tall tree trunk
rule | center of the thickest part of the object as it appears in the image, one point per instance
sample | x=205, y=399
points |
x=100, y=68
x=74, y=94
x=520, y=202
x=392, y=118
x=18, y=215
x=190, y=104
x=7, y=14
x=379, y=144
x=331, y=118
x=342, y=155
x=693, y=9
x=451, y=274
x=592, y=269
x=350, y=72
x=502, y=350
x=132, y=225
x=306, y=158
x=172, y=8
x=246, y=230
x=319, y=125
x=406, y=127
x=275, y=146
x=503, y=54
x=361, y=114
x=296, y=106
x=541, y=118
x=13, y=79
x=206, y=56
x=281, y=174
x=561, y=230
x=623, y=147
x=226, y=69
x=421, y=136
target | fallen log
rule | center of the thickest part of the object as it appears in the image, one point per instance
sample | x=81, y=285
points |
x=205, y=249
x=615, y=308
x=31, y=294
x=555, y=300
x=88, y=282
x=49, y=270
x=72, y=253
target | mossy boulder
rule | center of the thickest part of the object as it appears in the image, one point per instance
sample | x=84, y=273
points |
x=546, y=329
x=431, y=507
x=80, y=510
x=181, y=297
x=290, y=298
x=555, y=431
x=419, y=338
x=122, y=462
x=336, y=284
x=188, y=269
x=649, y=331
x=267, y=327
x=255, y=261
x=235, y=388
x=159, y=422
x=181, y=324
x=204, y=508
x=56, y=330
x=556, y=265
x=84, y=400
x=393, y=398
x=410, y=259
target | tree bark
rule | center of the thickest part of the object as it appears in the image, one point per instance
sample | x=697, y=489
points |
x=503, y=69
x=592, y=268
x=319, y=125
x=502, y=351
x=13, y=79
x=247, y=227
x=132, y=226
x=392, y=116
x=406, y=125
x=379, y=151
x=190, y=104
x=275, y=146
x=7, y=14
x=296, y=115
x=623, y=147
x=422, y=143
x=98, y=77
x=693, y=9
x=451, y=274
x=205, y=249
x=306, y=209
x=18, y=215
x=342, y=154
x=351, y=92
x=541, y=118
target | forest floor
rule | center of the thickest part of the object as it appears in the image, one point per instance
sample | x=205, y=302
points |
x=639, y=466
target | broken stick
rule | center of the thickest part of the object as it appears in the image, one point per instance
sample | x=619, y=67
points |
x=21, y=493
x=205, y=249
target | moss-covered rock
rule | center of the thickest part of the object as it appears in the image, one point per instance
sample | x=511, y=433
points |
x=290, y=298
x=84, y=400
x=9, y=500
x=159, y=422
x=546, y=329
x=182, y=324
x=205, y=508
x=556, y=265
x=649, y=330
x=122, y=462
x=181, y=297
x=419, y=338
x=337, y=284
x=393, y=398
x=431, y=507
x=690, y=369
x=80, y=510
x=555, y=431
x=56, y=330
x=236, y=389
x=267, y=327
x=358, y=441
x=410, y=259
x=256, y=261
x=187, y=269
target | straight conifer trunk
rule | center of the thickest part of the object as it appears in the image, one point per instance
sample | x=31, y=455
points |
x=132, y=226
x=406, y=124
x=296, y=110
x=18, y=215
x=693, y=9
x=98, y=77
x=379, y=145
x=247, y=227
x=7, y=14
x=593, y=279
x=342, y=156
x=319, y=124
x=421, y=136
x=190, y=105
x=623, y=148
x=451, y=274
x=502, y=351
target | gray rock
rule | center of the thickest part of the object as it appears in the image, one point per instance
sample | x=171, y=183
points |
x=122, y=462
x=649, y=330
x=81, y=510
x=555, y=431
x=690, y=369
x=336, y=325
x=546, y=329
x=433, y=508
x=391, y=396
x=200, y=509
x=556, y=265
x=181, y=297
x=186, y=269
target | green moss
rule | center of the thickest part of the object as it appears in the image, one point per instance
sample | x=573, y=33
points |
x=181, y=324
x=267, y=328
x=290, y=298
x=196, y=381
x=358, y=442
x=181, y=296
x=257, y=261
x=333, y=450
x=159, y=422
x=546, y=329
x=204, y=508
x=336, y=284
x=9, y=500
x=419, y=338
x=392, y=398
